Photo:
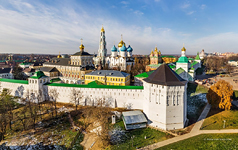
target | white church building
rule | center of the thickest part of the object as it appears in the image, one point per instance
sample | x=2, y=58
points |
x=162, y=98
x=120, y=57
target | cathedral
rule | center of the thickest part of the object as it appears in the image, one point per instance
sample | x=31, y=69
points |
x=120, y=58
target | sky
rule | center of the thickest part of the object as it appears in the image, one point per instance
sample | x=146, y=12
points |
x=53, y=26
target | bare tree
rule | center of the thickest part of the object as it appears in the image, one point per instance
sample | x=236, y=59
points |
x=75, y=97
x=100, y=113
x=53, y=96
x=40, y=99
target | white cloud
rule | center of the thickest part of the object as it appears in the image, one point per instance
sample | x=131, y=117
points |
x=125, y=2
x=45, y=29
x=203, y=6
x=137, y=12
x=185, y=5
x=222, y=42
x=190, y=13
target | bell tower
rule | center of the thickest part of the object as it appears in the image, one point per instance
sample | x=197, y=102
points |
x=102, y=51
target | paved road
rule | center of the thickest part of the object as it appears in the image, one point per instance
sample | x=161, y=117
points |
x=195, y=131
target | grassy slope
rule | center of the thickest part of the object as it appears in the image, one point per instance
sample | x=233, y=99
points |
x=230, y=117
x=152, y=136
x=206, y=142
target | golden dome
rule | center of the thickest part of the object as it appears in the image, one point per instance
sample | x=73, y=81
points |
x=152, y=53
x=183, y=49
x=159, y=52
x=81, y=46
x=102, y=30
x=59, y=56
x=121, y=44
x=156, y=49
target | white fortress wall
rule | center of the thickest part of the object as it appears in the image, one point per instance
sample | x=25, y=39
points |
x=131, y=98
x=16, y=89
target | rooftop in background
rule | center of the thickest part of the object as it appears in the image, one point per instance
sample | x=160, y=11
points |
x=144, y=74
x=5, y=70
x=112, y=73
x=96, y=84
x=81, y=53
x=165, y=76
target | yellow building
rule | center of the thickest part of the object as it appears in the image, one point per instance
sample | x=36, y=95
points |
x=108, y=77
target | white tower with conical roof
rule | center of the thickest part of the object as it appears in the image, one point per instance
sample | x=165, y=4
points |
x=102, y=51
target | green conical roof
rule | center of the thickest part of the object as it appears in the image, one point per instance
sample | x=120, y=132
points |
x=197, y=57
x=38, y=74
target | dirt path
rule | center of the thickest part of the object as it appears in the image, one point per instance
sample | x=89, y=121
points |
x=90, y=141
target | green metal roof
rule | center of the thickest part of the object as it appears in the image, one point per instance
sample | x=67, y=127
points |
x=155, y=65
x=180, y=70
x=144, y=74
x=38, y=75
x=172, y=66
x=14, y=81
x=55, y=80
x=94, y=84
x=25, y=63
x=182, y=59
x=194, y=63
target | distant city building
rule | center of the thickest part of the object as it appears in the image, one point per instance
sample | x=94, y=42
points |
x=202, y=54
x=108, y=77
x=25, y=65
x=6, y=73
x=233, y=63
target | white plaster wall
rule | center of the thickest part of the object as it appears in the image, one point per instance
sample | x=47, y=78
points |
x=155, y=104
x=175, y=108
x=182, y=65
x=119, y=97
x=15, y=88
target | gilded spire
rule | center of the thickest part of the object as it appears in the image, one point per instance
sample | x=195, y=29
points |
x=156, y=49
x=183, y=49
x=121, y=43
x=59, y=56
x=152, y=53
x=102, y=30
x=81, y=47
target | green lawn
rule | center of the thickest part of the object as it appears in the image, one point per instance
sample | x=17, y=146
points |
x=215, y=120
x=195, y=89
x=206, y=142
x=235, y=94
x=152, y=136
